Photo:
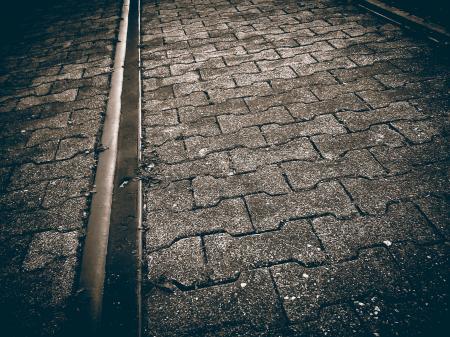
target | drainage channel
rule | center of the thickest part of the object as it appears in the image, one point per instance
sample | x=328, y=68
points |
x=121, y=300
x=111, y=267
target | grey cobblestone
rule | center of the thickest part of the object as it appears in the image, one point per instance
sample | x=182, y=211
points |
x=344, y=238
x=268, y=212
x=52, y=101
x=232, y=123
x=249, y=159
x=238, y=304
x=374, y=272
x=334, y=146
x=385, y=190
x=166, y=226
x=209, y=190
x=316, y=155
x=359, y=163
x=228, y=255
x=325, y=124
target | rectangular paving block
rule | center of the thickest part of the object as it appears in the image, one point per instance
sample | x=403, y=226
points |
x=295, y=241
x=250, y=159
x=166, y=226
x=268, y=212
x=333, y=146
x=250, y=300
x=385, y=190
x=359, y=163
x=323, y=124
x=343, y=239
x=209, y=190
x=306, y=290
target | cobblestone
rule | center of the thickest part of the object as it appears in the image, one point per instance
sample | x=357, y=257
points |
x=228, y=255
x=385, y=190
x=344, y=239
x=373, y=272
x=209, y=190
x=359, y=163
x=215, y=306
x=333, y=146
x=268, y=212
x=52, y=101
x=294, y=171
x=166, y=226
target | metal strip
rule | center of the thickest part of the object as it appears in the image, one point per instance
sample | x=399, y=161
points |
x=121, y=301
x=96, y=243
x=406, y=19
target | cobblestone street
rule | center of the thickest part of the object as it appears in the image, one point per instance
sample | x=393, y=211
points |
x=294, y=169
x=54, y=88
x=297, y=163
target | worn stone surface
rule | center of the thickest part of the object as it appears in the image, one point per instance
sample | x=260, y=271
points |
x=55, y=81
x=295, y=171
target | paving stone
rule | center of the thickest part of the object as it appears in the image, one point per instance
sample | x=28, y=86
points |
x=177, y=196
x=304, y=174
x=405, y=158
x=171, y=152
x=318, y=46
x=182, y=89
x=212, y=63
x=215, y=164
x=303, y=95
x=332, y=91
x=182, y=262
x=165, y=117
x=201, y=146
x=244, y=68
x=374, y=69
x=349, y=113
x=338, y=320
x=250, y=159
x=155, y=83
x=422, y=131
x=321, y=124
x=346, y=102
x=344, y=239
x=60, y=190
x=233, y=123
x=342, y=52
x=427, y=269
x=268, y=212
x=254, y=304
x=257, y=89
x=295, y=60
x=337, y=63
x=231, y=106
x=65, y=96
x=48, y=246
x=437, y=211
x=374, y=272
x=228, y=256
x=386, y=190
x=278, y=73
x=70, y=147
x=233, y=59
x=334, y=146
x=209, y=190
x=282, y=85
x=396, y=111
x=77, y=167
x=203, y=127
x=231, y=56
x=194, y=99
x=166, y=226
